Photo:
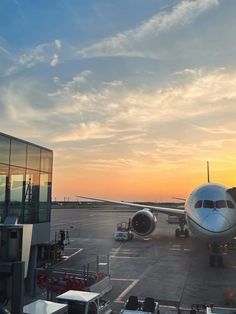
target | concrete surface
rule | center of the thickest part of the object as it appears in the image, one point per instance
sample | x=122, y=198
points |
x=173, y=271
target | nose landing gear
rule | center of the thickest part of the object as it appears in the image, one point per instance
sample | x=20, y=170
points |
x=182, y=231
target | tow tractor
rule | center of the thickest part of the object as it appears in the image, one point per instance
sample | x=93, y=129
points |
x=140, y=306
x=123, y=231
x=84, y=302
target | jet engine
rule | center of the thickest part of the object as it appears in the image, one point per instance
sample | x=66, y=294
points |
x=144, y=222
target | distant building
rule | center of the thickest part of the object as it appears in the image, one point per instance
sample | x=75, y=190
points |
x=25, y=188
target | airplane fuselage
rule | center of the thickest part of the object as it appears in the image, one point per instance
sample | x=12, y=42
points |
x=211, y=213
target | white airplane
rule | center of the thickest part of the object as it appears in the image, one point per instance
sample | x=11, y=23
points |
x=209, y=212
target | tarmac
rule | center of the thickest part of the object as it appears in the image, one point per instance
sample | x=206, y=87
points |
x=175, y=272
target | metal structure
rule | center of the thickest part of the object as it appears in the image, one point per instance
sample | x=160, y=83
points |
x=123, y=231
x=25, y=213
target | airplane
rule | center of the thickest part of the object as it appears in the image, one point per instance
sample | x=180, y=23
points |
x=209, y=212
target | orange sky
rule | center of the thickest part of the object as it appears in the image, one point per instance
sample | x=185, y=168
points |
x=140, y=184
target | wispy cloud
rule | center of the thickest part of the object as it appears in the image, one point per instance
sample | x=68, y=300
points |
x=5, y=51
x=164, y=123
x=133, y=42
x=86, y=131
x=217, y=130
x=43, y=53
x=55, y=60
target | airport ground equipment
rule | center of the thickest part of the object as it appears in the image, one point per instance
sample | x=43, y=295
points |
x=91, y=277
x=140, y=306
x=52, y=252
x=84, y=302
x=220, y=310
x=182, y=231
x=211, y=309
x=123, y=232
x=60, y=281
x=45, y=307
x=62, y=238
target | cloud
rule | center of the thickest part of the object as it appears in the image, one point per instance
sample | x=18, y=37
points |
x=217, y=130
x=132, y=42
x=146, y=126
x=82, y=77
x=55, y=60
x=44, y=53
x=58, y=44
x=86, y=131
x=179, y=121
x=34, y=56
x=5, y=51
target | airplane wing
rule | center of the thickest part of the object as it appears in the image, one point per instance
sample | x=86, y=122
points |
x=163, y=210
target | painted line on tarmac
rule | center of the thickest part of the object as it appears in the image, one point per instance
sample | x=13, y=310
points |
x=66, y=258
x=79, y=250
x=126, y=291
x=116, y=250
x=135, y=281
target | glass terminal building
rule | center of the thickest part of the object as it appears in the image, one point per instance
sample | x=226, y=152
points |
x=25, y=193
x=25, y=185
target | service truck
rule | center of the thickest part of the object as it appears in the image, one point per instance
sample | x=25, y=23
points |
x=84, y=302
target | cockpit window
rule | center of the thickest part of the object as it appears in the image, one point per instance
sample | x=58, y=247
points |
x=230, y=204
x=208, y=204
x=216, y=204
x=220, y=204
x=198, y=204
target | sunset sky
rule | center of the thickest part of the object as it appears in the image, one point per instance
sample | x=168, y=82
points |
x=133, y=96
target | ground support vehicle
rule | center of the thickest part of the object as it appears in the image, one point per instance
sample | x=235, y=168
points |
x=45, y=307
x=84, y=302
x=220, y=310
x=211, y=309
x=139, y=306
x=123, y=232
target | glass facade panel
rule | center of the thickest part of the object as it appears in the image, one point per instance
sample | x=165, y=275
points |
x=46, y=161
x=44, y=192
x=25, y=190
x=17, y=182
x=3, y=188
x=31, y=197
x=4, y=149
x=33, y=157
x=18, y=153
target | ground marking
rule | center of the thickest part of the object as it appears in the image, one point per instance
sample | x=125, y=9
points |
x=135, y=281
x=126, y=291
x=68, y=257
x=79, y=250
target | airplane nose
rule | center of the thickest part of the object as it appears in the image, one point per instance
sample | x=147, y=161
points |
x=215, y=222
